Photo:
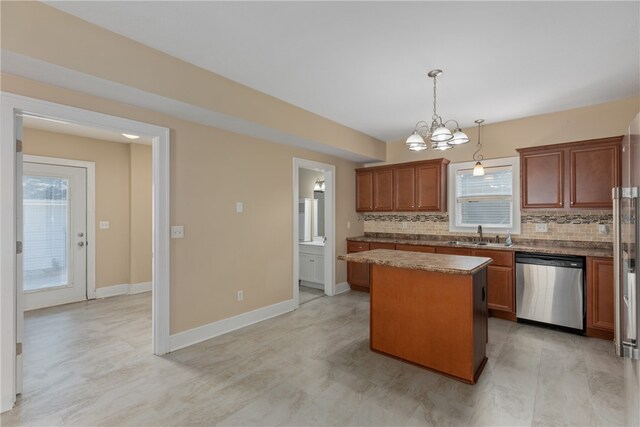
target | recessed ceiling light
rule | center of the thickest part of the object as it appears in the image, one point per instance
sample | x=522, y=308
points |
x=130, y=136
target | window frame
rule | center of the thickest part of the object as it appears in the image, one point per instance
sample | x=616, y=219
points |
x=454, y=206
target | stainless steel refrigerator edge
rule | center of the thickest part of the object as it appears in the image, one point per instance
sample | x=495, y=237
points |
x=626, y=236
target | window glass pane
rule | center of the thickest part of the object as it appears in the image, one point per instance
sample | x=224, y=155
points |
x=486, y=212
x=46, y=236
x=495, y=182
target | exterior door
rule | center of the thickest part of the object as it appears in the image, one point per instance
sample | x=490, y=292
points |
x=54, y=234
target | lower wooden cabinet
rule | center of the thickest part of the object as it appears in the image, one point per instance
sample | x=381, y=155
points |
x=416, y=248
x=500, y=283
x=600, y=315
x=500, y=288
x=358, y=273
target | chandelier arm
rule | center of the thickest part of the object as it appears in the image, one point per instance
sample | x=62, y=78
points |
x=454, y=121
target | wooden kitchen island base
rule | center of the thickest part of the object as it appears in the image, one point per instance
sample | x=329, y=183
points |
x=433, y=319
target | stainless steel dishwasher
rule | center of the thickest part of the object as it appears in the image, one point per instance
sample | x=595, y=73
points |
x=550, y=291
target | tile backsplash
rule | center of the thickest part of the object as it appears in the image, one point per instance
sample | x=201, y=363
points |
x=561, y=225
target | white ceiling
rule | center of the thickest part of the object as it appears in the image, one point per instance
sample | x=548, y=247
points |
x=69, y=128
x=364, y=64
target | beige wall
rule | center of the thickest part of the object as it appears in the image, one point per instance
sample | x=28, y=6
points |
x=306, y=182
x=123, y=197
x=502, y=139
x=211, y=170
x=140, y=218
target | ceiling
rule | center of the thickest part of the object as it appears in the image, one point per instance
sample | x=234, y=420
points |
x=68, y=128
x=364, y=64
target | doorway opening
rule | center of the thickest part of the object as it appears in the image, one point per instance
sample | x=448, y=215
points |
x=313, y=230
x=54, y=187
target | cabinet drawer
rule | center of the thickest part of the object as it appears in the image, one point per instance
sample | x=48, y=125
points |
x=453, y=251
x=501, y=258
x=416, y=248
x=376, y=245
x=357, y=247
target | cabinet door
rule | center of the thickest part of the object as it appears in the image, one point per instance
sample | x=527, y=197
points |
x=594, y=172
x=358, y=273
x=500, y=288
x=430, y=195
x=452, y=251
x=415, y=248
x=600, y=315
x=318, y=268
x=542, y=179
x=383, y=190
x=404, y=185
x=306, y=271
x=364, y=191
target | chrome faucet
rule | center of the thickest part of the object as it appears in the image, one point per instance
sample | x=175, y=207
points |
x=480, y=232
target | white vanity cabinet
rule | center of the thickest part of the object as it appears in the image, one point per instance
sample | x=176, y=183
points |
x=312, y=264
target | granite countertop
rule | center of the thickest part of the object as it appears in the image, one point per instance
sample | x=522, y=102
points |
x=595, y=249
x=441, y=263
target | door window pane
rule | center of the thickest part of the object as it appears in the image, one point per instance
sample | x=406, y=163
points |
x=46, y=232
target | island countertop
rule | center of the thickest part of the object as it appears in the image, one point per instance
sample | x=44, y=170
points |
x=441, y=263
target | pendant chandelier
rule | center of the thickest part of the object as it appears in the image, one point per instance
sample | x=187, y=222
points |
x=478, y=169
x=441, y=137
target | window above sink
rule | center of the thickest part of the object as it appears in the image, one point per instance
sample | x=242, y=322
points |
x=491, y=200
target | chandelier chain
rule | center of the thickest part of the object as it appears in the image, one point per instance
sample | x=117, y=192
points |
x=435, y=115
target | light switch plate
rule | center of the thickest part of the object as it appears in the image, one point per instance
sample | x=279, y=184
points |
x=177, y=231
x=239, y=207
x=541, y=228
x=104, y=225
x=603, y=228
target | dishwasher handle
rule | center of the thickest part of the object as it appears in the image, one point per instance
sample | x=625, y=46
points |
x=550, y=260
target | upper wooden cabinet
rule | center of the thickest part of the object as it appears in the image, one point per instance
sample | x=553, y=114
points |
x=431, y=186
x=572, y=175
x=364, y=191
x=595, y=170
x=403, y=187
x=542, y=176
x=383, y=190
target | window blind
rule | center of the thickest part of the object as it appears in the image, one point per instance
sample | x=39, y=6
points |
x=485, y=200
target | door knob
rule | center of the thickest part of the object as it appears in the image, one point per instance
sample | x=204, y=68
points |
x=81, y=234
x=81, y=244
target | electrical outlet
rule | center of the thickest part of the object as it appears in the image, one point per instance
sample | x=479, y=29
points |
x=240, y=295
x=603, y=228
x=104, y=225
x=177, y=231
x=239, y=207
x=348, y=225
x=404, y=225
x=541, y=228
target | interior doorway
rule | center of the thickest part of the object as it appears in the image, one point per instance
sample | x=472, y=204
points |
x=313, y=230
x=13, y=110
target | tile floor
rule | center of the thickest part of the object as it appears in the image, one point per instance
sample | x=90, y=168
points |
x=309, y=294
x=90, y=364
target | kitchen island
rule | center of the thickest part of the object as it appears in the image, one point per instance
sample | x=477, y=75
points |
x=429, y=309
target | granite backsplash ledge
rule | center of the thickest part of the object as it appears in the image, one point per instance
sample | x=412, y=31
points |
x=570, y=226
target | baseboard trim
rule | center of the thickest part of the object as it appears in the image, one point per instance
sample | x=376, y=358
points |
x=342, y=288
x=312, y=285
x=211, y=330
x=124, y=289
x=138, y=288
